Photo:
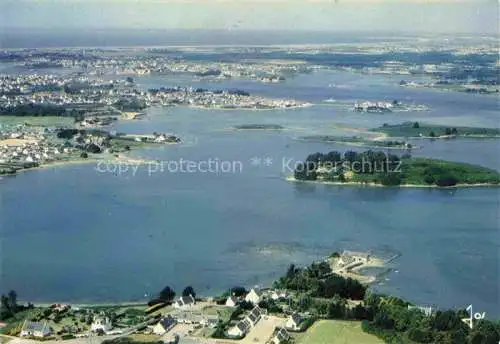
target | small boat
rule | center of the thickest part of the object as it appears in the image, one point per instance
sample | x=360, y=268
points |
x=329, y=100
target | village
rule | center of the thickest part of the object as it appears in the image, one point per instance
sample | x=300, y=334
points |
x=54, y=141
x=160, y=61
x=186, y=318
x=39, y=94
x=276, y=315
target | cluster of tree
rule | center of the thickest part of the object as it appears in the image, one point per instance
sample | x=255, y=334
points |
x=439, y=176
x=395, y=143
x=69, y=133
x=447, y=132
x=318, y=281
x=271, y=306
x=210, y=72
x=9, y=306
x=167, y=295
x=391, y=319
x=130, y=104
x=34, y=110
x=368, y=162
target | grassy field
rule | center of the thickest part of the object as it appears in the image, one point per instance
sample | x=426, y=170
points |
x=336, y=332
x=48, y=121
x=144, y=338
x=224, y=312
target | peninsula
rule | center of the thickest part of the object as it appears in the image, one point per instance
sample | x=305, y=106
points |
x=259, y=127
x=359, y=141
x=49, y=141
x=432, y=131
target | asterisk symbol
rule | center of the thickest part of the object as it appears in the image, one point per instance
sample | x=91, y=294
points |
x=255, y=161
x=268, y=161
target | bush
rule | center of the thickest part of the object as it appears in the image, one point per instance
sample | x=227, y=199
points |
x=446, y=180
x=419, y=335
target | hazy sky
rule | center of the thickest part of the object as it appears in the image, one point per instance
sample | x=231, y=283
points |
x=478, y=16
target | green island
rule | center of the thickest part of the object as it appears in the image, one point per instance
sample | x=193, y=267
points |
x=483, y=89
x=359, y=141
x=432, y=131
x=258, y=127
x=315, y=304
x=378, y=168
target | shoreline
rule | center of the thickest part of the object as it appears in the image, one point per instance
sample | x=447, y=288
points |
x=306, y=105
x=361, y=144
x=419, y=186
x=46, y=304
x=80, y=161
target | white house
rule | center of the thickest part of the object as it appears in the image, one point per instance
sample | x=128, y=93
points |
x=35, y=329
x=164, y=325
x=426, y=310
x=101, y=323
x=294, y=322
x=255, y=315
x=280, y=336
x=185, y=302
x=253, y=296
x=231, y=301
x=276, y=295
x=240, y=329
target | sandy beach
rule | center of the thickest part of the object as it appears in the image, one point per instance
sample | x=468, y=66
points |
x=292, y=179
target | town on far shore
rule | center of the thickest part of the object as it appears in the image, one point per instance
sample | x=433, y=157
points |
x=328, y=299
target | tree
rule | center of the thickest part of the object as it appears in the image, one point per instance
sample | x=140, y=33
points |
x=416, y=125
x=337, y=309
x=446, y=179
x=84, y=155
x=315, y=158
x=5, y=311
x=305, y=302
x=420, y=335
x=447, y=131
x=333, y=157
x=383, y=320
x=359, y=312
x=306, y=171
x=432, y=134
x=188, y=291
x=167, y=294
x=292, y=271
x=246, y=305
x=238, y=291
x=351, y=156
x=12, y=301
x=484, y=333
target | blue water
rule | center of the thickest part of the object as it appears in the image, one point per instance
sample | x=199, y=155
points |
x=90, y=37
x=76, y=234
